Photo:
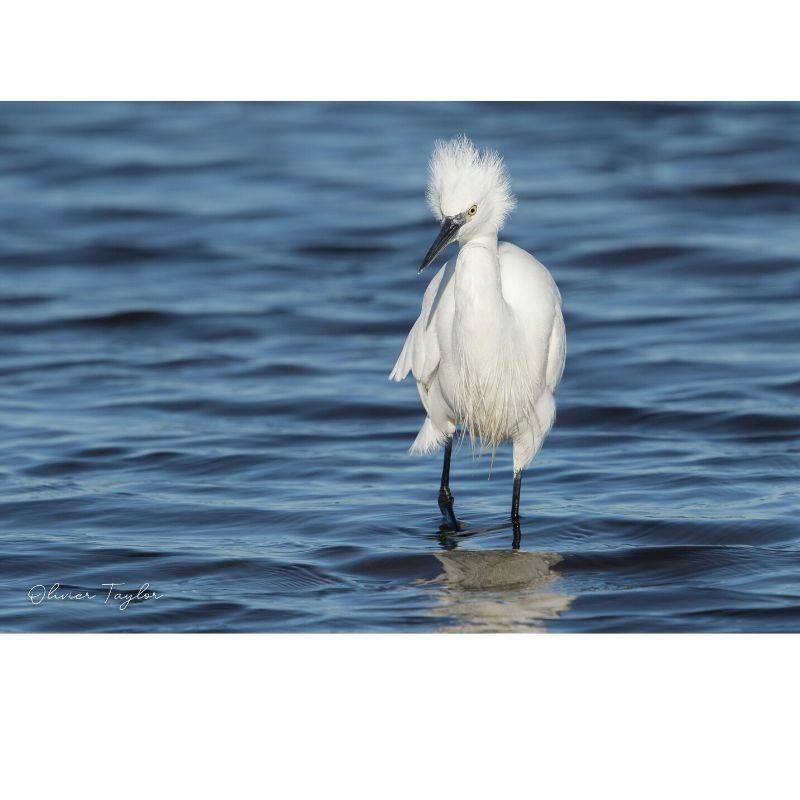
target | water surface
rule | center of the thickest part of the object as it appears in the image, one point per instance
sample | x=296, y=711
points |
x=200, y=305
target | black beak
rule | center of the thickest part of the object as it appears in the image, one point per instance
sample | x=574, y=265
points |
x=447, y=234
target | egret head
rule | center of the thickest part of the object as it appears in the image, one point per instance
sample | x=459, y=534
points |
x=469, y=192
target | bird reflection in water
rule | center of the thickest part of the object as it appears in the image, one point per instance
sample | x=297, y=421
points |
x=497, y=590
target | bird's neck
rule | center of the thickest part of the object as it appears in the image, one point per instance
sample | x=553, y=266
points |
x=488, y=240
x=477, y=279
x=478, y=259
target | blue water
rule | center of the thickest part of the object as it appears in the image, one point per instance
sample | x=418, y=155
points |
x=200, y=308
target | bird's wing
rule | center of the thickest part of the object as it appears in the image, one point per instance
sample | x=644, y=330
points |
x=557, y=351
x=420, y=354
x=533, y=295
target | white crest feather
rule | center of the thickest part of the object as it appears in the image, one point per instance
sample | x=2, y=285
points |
x=460, y=175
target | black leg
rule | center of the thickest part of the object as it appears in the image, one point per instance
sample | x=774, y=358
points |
x=517, y=540
x=515, y=497
x=445, y=496
x=515, y=511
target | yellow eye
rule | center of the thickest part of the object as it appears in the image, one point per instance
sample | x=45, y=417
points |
x=473, y=210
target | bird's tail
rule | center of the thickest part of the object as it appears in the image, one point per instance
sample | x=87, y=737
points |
x=429, y=439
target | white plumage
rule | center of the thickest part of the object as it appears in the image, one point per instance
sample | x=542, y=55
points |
x=488, y=349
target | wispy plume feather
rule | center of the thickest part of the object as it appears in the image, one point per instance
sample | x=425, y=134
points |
x=459, y=175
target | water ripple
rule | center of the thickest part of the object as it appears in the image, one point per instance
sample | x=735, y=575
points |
x=200, y=308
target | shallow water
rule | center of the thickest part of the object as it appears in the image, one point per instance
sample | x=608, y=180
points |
x=200, y=305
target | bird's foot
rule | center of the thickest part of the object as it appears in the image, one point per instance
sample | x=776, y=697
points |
x=515, y=527
x=446, y=507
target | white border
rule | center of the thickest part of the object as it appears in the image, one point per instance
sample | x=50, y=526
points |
x=622, y=716
x=458, y=49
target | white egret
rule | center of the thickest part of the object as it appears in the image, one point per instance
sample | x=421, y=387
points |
x=488, y=349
